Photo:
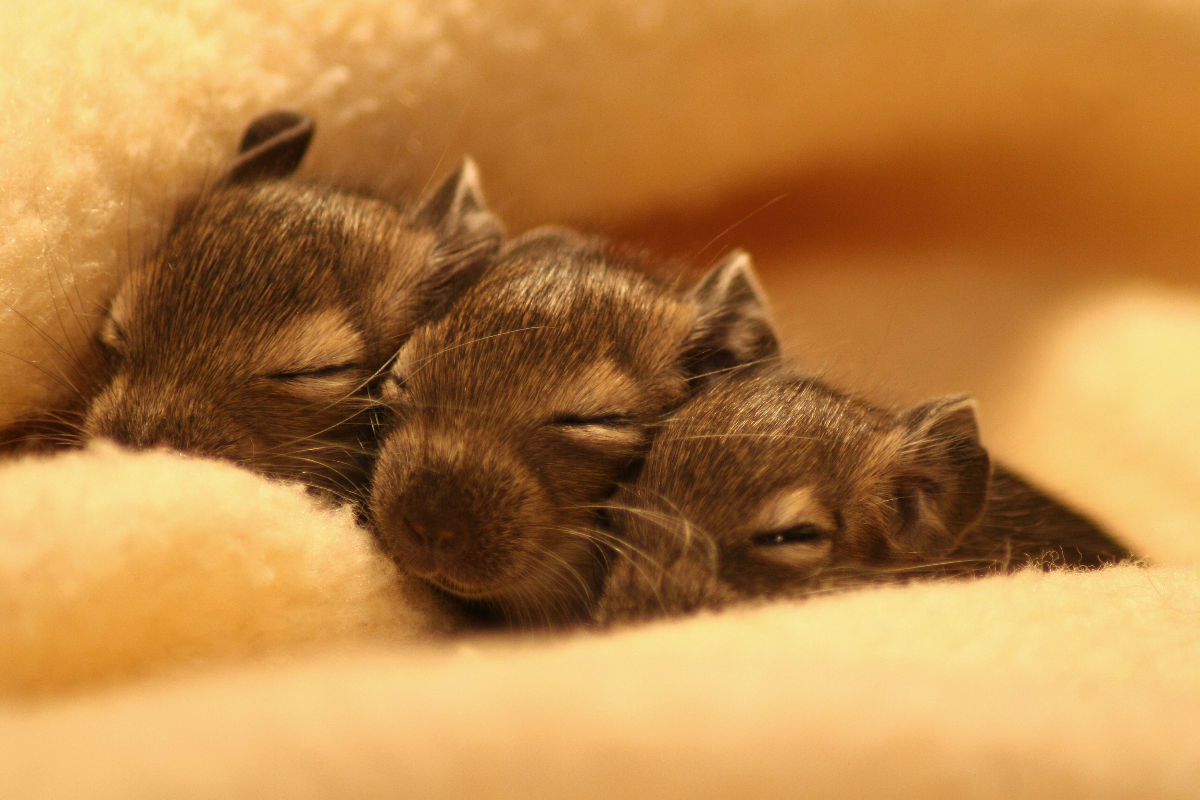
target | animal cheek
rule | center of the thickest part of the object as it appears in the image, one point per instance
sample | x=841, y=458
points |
x=638, y=591
x=670, y=389
x=145, y=419
x=576, y=477
x=862, y=537
x=629, y=594
x=104, y=417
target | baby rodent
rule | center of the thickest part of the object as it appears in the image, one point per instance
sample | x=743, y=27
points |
x=259, y=326
x=516, y=414
x=772, y=484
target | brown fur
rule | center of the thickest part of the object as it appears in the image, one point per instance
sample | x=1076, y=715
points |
x=517, y=414
x=257, y=329
x=774, y=485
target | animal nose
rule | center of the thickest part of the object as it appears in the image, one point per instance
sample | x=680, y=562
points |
x=432, y=531
x=434, y=536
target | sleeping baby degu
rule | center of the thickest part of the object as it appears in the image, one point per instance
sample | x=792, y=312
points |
x=258, y=328
x=262, y=326
x=773, y=484
x=515, y=416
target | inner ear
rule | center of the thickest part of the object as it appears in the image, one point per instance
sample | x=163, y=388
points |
x=467, y=237
x=457, y=207
x=941, y=479
x=733, y=327
x=272, y=147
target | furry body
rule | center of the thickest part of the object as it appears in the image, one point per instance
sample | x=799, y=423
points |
x=776, y=485
x=516, y=415
x=258, y=328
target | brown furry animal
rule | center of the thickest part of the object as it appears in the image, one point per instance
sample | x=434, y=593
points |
x=517, y=414
x=257, y=329
x=775, y=485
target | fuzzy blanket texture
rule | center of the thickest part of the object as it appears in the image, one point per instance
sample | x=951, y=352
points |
x=997, y=197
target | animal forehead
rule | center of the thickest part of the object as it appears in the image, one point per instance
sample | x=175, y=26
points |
x=738, y=440
x=305, y=340
x=545, y=318
x=164, y=306
x=594, y=387
x=587, y=287
x=280, y=239
x=198, y=268
x=535, y=387
x=731, y=489
x=771, y=412
x=238, y=261
x=529, y=373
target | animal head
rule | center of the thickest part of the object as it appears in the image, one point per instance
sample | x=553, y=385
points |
x=516, y=415
x=256, y=330
x=773, y=485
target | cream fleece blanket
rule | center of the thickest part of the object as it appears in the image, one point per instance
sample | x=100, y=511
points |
x=997, y=197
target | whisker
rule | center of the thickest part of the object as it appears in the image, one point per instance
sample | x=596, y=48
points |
x=60, y=379
x=425, y=361
x=314, y=436
x=689, y=530
x=342, y=480
x=773, y=436
x=66, y=354
x=314, y=443
x=725, y=231
x=585, y=591
x=617, y=545
x=741, y=366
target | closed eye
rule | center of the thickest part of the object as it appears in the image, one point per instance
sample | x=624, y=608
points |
x=112, y=337
x=329, y=371
x=607, y=431
x=805, y=533
x=576, y=421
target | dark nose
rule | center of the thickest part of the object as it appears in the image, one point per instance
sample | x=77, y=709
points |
x=435, y=536
x=431, y=529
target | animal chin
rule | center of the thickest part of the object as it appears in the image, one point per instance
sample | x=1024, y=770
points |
x=444, y=570
x=464, y=589
x=470, y=585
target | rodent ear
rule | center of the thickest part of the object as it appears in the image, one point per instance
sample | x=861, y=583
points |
x=734, y=327
x=468, y=234
x=941, y=483
x=272, y=147
x=456, y=209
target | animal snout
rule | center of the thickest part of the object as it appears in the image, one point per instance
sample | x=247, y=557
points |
x=438, y=524
x=428, y=525
x=143, y=419
x=435, y=536
x=464, y=517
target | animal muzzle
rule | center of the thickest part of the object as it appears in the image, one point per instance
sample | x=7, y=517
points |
x=146, y=422
x=455, y=517
x=428, y=528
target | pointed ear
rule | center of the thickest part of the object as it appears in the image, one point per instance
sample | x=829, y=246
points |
x=272, y=147
x=942, y=476
x=457, y=208
x=734, y=327
x=468, y=234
